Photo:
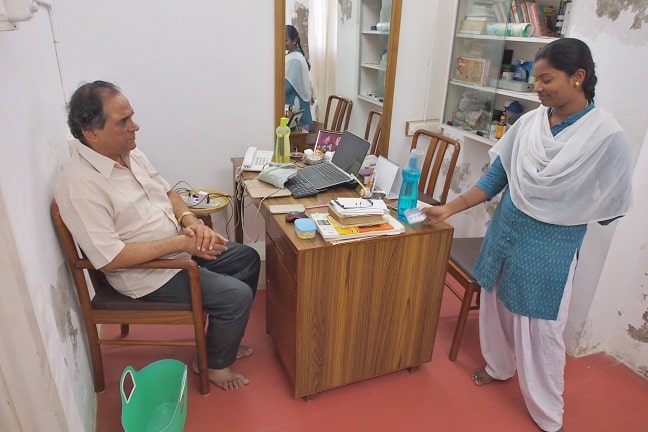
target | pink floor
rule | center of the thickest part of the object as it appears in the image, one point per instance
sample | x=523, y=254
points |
x=601, y=394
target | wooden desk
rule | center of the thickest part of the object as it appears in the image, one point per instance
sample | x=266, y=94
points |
x=339, y=314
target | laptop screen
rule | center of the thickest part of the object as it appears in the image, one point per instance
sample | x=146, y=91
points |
x=350, y=153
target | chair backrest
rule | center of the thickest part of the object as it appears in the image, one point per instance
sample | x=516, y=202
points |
x=77, y=262
x=438, y=150
x=374, y=122
x=338, y=113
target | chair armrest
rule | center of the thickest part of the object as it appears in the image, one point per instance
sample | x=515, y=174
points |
x=189, y=265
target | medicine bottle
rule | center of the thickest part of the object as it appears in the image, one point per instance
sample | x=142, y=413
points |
x=408, y=196
x=282, y=145
x=501, y=127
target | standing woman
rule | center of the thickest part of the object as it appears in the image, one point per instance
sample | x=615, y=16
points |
x=297, y=83
x=563, y=165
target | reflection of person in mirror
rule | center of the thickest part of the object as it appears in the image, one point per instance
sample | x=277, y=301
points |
x=328, y=143
x=297, y=83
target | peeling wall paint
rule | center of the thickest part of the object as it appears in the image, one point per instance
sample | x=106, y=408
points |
x=640, y=333
x=346, y=10
x=64, y=302
x=612, y=9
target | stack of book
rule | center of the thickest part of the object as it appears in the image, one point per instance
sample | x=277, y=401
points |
x=357, y=211
x=355, y=218
x=333, y=232
x=478, y=15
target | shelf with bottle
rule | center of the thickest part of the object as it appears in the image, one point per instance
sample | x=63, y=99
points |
x=491, y=65
x=374, y=41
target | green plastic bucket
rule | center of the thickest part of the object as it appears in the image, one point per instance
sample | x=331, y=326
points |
x=157, y=400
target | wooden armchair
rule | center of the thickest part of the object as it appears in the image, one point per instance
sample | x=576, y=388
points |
x=338, y=113
x=374, y=122
x=110, y=307
x=438, y=150
x=463, y=254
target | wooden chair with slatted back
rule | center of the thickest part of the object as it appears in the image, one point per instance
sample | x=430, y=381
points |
x=110, y=307
x=463, y=254
x=338, y=113
x=374, y=122
x=439, y=149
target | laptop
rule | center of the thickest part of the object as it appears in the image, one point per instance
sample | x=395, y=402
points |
x=342, y=169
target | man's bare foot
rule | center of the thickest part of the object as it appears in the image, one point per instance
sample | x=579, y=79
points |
x=226, y=378
x=244, y=351
x=481, y=377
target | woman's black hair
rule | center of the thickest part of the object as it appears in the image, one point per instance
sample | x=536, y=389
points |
x=569, y=55
x=293, y=34
x=86, y=107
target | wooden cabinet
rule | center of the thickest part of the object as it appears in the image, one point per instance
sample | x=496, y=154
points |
x=338, y=314
x=477, y=93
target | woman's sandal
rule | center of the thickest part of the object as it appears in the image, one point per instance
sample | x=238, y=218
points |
x=480, y=377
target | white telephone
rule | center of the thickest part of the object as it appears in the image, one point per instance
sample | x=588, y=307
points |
x=254, y=159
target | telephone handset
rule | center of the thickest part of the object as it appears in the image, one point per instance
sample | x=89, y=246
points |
x=255, y=160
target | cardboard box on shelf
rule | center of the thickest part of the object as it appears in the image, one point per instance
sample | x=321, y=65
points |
x=472, y=70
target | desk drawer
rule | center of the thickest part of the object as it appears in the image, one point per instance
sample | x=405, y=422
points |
x=284, y=248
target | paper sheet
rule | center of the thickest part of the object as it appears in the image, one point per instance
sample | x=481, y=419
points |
x=258, y=189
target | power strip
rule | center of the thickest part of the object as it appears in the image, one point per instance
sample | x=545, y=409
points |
x=201, y=201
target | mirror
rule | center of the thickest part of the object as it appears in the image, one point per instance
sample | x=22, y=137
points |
x=390, y=72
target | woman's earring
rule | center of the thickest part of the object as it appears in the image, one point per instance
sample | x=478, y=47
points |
x=577, y=83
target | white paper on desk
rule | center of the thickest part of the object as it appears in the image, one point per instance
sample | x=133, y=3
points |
x=258, y=189
x=388, y=177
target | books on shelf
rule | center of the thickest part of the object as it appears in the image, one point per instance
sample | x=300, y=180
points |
x=562, y=19
x=472, y=27
x=543, y=18
x=332, y=231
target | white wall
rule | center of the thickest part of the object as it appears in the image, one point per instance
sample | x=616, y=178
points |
x=32, y=148
x=198, y=74
x=610, y=313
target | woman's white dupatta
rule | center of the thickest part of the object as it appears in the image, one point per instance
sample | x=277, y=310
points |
x=582, y=175
x=298, y=76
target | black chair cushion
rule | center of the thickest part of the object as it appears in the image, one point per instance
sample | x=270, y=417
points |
x=464, y=252
x=107, y=298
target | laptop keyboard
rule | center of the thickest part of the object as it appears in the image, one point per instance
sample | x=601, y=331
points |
x=329, y=172
x=299, y=187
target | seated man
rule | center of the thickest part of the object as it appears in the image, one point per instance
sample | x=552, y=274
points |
x=122, y=212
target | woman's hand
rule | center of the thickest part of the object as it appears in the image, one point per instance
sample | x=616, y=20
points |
x=436, y=214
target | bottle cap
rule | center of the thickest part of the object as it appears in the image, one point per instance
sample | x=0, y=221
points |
x=283, y=121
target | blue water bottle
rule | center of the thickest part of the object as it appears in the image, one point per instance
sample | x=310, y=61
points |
x=408, y=196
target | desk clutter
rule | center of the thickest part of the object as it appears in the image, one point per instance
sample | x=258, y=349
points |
x=346, y=219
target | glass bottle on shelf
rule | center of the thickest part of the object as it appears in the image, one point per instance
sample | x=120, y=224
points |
x=501, y=127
